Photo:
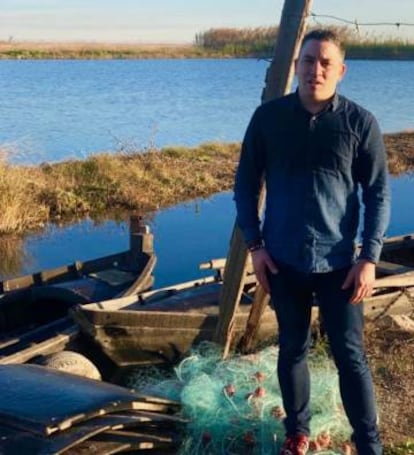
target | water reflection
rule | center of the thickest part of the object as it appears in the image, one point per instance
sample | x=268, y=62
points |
x=13, y=255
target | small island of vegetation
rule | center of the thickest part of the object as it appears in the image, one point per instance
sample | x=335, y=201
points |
x=132, y=180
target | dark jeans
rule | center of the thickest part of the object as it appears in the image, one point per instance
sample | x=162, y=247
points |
x=292, y=296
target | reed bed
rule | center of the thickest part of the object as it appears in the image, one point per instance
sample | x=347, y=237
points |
x=255, y=42
x=132, y=180
x=260, y=41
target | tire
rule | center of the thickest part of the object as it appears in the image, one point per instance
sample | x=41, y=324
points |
x=72, y=362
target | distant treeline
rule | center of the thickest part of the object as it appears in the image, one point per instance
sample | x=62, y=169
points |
x=259, y=42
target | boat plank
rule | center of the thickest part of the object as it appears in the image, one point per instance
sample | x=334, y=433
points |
x=391, y=268
x=48, y=346
x=395, y=302
x=79, y=399
x=398, y=280
x=13, y=440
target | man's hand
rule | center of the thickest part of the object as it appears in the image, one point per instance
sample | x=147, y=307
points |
x=261, y=262
x=362, y=276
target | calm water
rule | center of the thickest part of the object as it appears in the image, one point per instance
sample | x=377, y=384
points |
x=185, y=235
x=54, y=110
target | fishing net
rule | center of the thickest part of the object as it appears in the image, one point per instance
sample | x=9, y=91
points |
x=235, y=407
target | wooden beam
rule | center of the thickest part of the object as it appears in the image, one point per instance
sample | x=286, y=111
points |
x=292, y=28
x=395, y=281
x=261, y=300
x=392, y=268
x=278, y=81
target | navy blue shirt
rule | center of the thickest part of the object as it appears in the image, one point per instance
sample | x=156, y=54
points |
x=313, y=166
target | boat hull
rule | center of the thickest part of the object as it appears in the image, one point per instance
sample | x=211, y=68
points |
x=34, y=309
x=162, y=326
x=138, y=337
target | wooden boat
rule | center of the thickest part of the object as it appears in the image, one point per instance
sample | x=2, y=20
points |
x=161, y=326
x=34, y=309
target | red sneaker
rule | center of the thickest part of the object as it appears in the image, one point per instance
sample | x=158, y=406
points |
x=295, y=445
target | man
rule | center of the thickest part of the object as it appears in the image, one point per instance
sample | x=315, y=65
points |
x=315, y=149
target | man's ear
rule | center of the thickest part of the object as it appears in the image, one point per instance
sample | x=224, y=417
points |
x=343, y=71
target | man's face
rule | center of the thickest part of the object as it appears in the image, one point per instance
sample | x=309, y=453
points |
x=319, y=68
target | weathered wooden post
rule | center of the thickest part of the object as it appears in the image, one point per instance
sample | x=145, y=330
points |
x=278, y=81
x=141, y=253
x=140, y=238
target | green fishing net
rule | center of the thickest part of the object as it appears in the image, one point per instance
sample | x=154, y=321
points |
x=235, y=407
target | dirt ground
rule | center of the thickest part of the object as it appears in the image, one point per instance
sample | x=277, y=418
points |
x=391, y=355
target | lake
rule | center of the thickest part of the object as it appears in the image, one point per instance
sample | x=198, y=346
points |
x=58, y=109
x=54, y=110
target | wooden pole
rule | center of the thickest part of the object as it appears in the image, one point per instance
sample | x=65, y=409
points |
x=260, y=302
x=278, y=80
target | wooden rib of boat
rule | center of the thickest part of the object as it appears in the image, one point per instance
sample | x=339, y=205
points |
x=34, y=309
x=161, y=326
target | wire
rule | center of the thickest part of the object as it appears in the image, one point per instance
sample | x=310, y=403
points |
x=364, y=24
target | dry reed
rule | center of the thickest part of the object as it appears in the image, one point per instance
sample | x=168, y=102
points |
x=133, y=180
x=215, y=42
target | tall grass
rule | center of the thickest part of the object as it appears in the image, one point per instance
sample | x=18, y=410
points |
x=256, y=42
x=239, y=42
x=13, y=255
x=260, y=41
x=18, y=210
x=132, y=180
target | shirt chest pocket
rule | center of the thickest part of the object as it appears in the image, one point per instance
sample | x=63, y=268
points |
x=285, y=151
x=331, y=151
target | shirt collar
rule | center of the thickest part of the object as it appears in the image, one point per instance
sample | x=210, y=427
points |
x=331, y=106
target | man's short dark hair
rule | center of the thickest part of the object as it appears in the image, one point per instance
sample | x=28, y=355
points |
x=325, y=34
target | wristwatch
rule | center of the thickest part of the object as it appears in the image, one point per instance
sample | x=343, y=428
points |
x=255, y=245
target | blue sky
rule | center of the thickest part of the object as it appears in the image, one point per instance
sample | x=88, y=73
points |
x=175, y=21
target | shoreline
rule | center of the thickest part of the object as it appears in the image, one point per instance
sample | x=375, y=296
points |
x=111, y=51
x=103, y=183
